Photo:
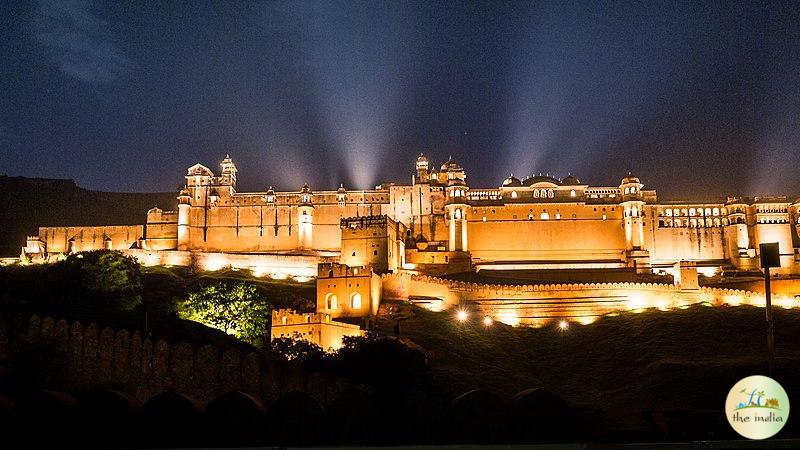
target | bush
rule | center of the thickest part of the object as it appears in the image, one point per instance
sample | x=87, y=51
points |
x=106, y=277
x=235, y=308
x=297, y=350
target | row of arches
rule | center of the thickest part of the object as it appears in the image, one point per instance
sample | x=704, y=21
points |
x=691, y=212
x=694, y=223
x=103, y=418
x=332, y=301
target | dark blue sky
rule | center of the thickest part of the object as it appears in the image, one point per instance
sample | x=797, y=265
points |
x=697, y=98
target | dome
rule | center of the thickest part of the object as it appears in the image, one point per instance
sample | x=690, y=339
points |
x=450, y=166
x=511, y=181
x=305, y=189
x=270, y=191
x=535, y=179
x=570, y=181
x=631, y=178
x=422, y=158
x=341, y=189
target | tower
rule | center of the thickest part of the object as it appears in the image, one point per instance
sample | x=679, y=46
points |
x=184, y=206
x=423, y=175
x=456, y=206
x=633, y=211
x=228, y=176
x=633, y=222
x=305, y=218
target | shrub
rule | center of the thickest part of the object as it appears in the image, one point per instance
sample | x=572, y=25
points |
x=235, y=308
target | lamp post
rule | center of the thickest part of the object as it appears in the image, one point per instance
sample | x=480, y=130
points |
x=770, y=257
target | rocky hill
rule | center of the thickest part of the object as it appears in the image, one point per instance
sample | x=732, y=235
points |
x=29, y=203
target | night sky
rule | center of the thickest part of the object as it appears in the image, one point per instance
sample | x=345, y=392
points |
x=697, y=99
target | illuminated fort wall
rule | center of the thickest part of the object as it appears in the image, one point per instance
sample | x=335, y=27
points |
x=539, y=222
x=580, y=302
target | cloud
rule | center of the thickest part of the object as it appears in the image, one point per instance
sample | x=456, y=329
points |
x=78, y=41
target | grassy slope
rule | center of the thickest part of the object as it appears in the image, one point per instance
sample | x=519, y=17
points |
x=624, y=365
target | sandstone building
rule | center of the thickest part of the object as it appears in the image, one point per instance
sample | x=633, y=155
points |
x=439, y=223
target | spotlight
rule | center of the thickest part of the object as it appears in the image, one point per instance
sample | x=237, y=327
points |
x=487, y=321
x=462, y=315
x=563, y=325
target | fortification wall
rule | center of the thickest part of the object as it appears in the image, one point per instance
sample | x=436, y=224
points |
x=76, y=356
x=275, y=265
x=122, y=237
x=582, y=302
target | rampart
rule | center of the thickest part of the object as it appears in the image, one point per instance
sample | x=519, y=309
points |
x=276, y=265
x=581, y=302
x=75, y=357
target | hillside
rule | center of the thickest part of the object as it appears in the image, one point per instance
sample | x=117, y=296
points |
x=623, y=366
x=29, y=203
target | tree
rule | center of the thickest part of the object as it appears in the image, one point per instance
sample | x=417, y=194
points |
x=108, y=276
x=296, y=350
x=235, y=308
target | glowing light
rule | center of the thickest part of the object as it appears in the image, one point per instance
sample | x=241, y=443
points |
x=302, y=279
x=215, y=262
x=462, y=315
x=487, y=321
x=563, y=325
x=636, y=302
x=508, y=318
x=587, y=320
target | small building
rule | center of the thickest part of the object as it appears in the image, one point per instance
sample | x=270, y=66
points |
x=345, y=291
x=316, y=328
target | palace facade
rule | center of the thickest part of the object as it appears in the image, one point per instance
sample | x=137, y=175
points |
x=439, y=223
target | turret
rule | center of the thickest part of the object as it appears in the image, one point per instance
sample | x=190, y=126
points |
x=423, y=174
x=228, y=177
x=457, y=209
x=184, y=206
x=305, y=218
x=633, y=211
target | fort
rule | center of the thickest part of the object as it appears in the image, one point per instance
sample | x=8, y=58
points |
x=438, y=225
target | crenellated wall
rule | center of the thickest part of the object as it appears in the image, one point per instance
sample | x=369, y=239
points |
x=78, y=356
x=537, y=304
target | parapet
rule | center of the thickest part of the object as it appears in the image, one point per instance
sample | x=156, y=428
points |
x=364, y=222
x=338, y=270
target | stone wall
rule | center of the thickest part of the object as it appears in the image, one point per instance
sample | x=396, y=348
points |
x=76, y=357
x=581, y=302
x=276, y=265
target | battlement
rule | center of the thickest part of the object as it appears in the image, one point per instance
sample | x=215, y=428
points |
x=338, y=270
x=364, y=222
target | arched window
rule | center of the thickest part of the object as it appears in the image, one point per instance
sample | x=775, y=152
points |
x=513, y=194
x=355, y=300
x=458, y=213
x=692, y=211
x=572, y=193
x=550, y=194
x=535, y=193
x=544, y=215
x=715, y=211
x=331, y=301
x=530, y=216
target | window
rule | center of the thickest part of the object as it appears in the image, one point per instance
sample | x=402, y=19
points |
x=331, y=301
x=558, y=216
x=551, y=193
x=513, y=194
x=458, y=213
x=355, y=300
x=544, y=215
x=374, y=253
x=572, y=193
x=535, y=193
